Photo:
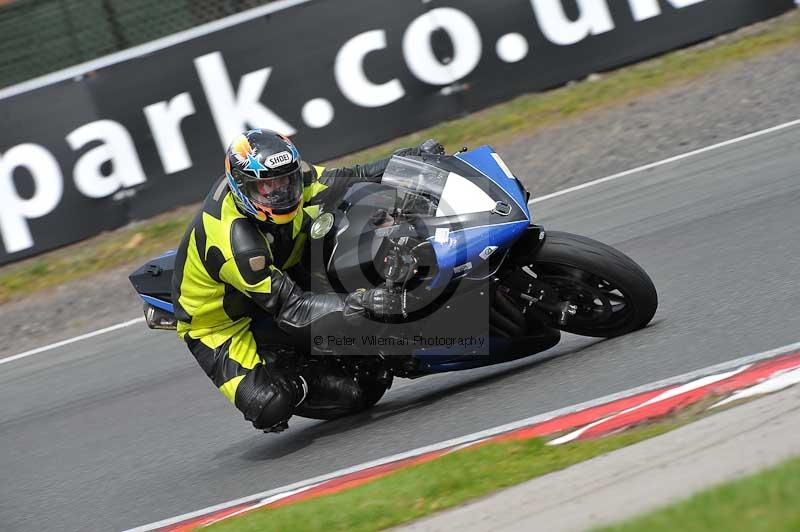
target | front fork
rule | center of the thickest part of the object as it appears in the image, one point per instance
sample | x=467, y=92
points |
x=528, y=245
x=537, y=295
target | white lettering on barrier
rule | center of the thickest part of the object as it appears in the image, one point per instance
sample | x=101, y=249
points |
x=235, y=109
x=463, y=34
x=234, y=113
x=594, y=19
x=351, y=78
x=48, y=187
x=117, y=148
x=645, y=9
x=317, y=113
x=164, y=119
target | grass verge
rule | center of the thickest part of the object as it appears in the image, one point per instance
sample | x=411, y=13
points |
x=137, y=242
x=523, y=115
x=448, y=481
x=768, y=501
x=422, y=489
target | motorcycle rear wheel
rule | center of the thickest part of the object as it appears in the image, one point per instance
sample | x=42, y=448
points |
x=611, y=294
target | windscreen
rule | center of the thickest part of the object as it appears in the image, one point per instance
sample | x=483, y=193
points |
x=419, y=186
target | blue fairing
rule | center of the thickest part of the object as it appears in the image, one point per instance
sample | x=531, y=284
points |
x=163, y=305
x=483, y=160
x=463, y=246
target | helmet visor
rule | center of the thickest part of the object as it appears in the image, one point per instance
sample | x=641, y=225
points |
x=276, y=193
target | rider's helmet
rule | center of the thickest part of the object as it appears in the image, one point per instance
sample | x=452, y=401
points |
x=264, y=175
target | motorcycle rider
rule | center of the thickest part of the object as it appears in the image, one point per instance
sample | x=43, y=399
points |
x=236, y=262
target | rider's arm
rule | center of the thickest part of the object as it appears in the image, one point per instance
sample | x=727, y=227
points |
x=333, y=183
x=368, y=171
x=295, y=311
x=340, y=179
x=250, y=271
x=371, y=171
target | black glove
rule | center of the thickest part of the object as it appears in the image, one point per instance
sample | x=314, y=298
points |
x=376, y=302
x=429, y=147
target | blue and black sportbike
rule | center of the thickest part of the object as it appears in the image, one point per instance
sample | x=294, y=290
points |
x=480, y=282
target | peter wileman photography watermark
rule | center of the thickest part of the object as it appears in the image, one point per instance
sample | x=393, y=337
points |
x=413, y=341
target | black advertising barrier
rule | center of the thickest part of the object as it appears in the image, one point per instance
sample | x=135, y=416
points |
x=145, y=131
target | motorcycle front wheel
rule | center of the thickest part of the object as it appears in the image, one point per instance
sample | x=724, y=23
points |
x=585, y=287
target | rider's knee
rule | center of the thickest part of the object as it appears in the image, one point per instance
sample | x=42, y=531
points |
x=264, y=399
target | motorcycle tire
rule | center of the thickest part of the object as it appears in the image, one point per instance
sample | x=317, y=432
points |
x=599, y=267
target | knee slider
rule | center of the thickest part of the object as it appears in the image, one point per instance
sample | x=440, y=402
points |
x=263, y=399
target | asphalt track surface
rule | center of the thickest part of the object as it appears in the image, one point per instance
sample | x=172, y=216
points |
x=124, y=429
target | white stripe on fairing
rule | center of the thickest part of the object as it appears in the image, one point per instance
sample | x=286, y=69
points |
x=482, y=435
x=462, y=196
x=502, y=165
x=493, y=181
x=147, y=48
x=535, y=200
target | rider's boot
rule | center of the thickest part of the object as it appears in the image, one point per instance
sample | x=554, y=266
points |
x=329, y=395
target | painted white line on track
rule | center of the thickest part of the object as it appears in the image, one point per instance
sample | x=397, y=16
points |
x=776, y=383
x=666, y=161
x=694, y=384
x=68, y=341
x=474, y=437
x=534, y=200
